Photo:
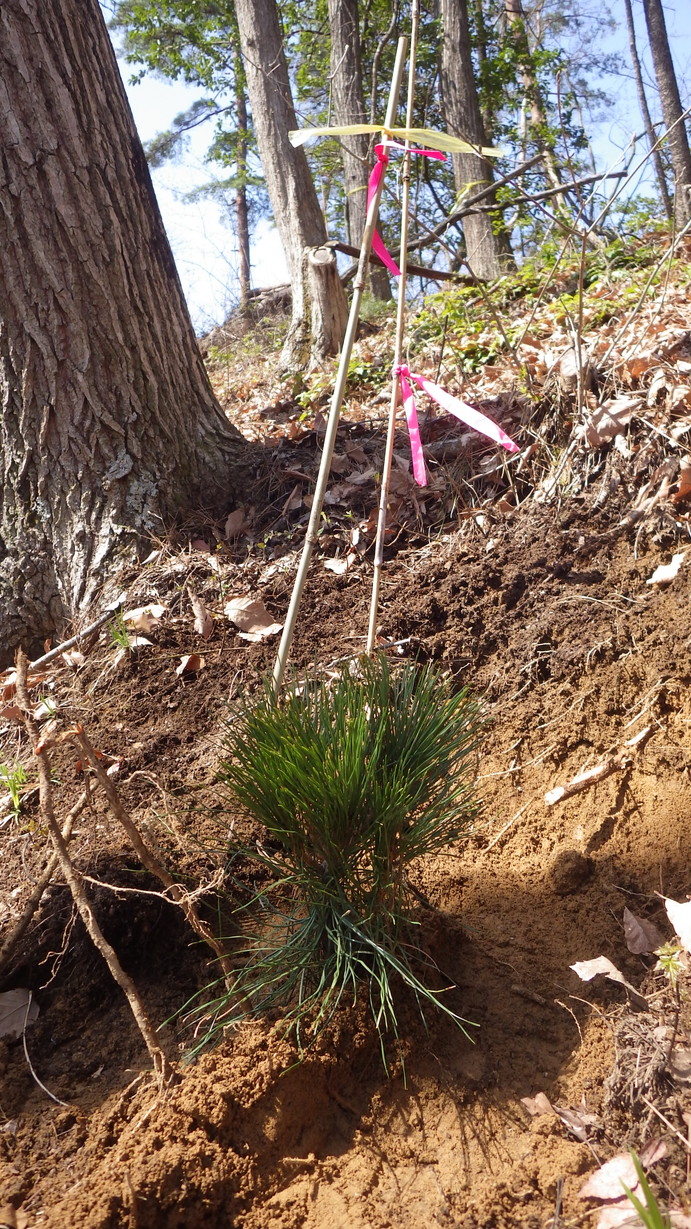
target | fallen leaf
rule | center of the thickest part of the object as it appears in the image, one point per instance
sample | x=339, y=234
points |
x=236, y=524
x=201, y=545
x=679, y=1065
x=145, y=618
x=611, y=419
x=684, y=481
x=588, y=969
x=641, y=935
x=666, y=573
x=252, y=617
x=191, y=663
x=680, y=917
x=203, y=622
x=577, y=1121
x=16, y=1008
x=619, y=1216
x=73, y=658
x=341, y=564
x=605, y=1183
x=538, y=1105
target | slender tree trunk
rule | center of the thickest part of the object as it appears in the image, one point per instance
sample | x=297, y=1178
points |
x=349, y=108
x=672, y=109
x=487, y=248
x=315, y=283
x=108, y=425
x=242, y=221
x=645, y=111
x=517, y=32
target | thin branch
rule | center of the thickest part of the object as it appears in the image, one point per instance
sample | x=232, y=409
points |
x=161, y=1064
x=22, y=925
x=175, y=891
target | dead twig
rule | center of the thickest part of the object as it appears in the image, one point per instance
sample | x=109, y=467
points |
x=21, y=926
x=161, y=1064
x=175, y=891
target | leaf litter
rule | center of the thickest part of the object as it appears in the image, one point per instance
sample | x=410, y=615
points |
x=556, y=626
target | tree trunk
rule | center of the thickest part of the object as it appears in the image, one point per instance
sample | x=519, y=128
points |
x=242, y=220
x=349, y=108
x=538, y=117
x=289, y=183
x=645, y=111
x=109, y=429
x=672, y=109
x=487, y=250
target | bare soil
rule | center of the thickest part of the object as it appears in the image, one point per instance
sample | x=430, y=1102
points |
x=546, y=612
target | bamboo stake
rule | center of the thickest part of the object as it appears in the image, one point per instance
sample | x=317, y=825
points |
x=339, y=392
x=398, y=346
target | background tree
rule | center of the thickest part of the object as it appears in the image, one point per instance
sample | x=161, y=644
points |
x=672, y=109
x=349, y=108
x=109, y=429
x=487, y=250
x=645, y=111
x=320, y=311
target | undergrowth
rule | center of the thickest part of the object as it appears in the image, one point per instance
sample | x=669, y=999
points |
x=352, y=781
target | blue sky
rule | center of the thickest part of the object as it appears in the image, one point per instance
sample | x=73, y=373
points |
x=204, y=246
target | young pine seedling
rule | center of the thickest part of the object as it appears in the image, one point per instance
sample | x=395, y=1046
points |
x=352, y=781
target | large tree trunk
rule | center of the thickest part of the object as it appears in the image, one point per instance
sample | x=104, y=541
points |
x=109, y=428
x=672, y=109
x=349, y=108
x=487, y=247
x=291, y=188
x=645, y=111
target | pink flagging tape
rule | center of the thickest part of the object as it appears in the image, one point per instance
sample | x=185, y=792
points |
x=419, y=470
x=453, y=405
x=378, y=244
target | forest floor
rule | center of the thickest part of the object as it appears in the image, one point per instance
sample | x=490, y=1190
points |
x=529, y=581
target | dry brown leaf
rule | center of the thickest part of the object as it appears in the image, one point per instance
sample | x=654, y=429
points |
x=665, y=574
x=679, y=915
x=191, y=663
x=236, y=524
x=201, y=545
x=537, y=1105
x=145, y=618
x=17, y=1008
x=340, y=564
x=641, y=935
x=601, y=965
x=251, y=617
x=611, y=419
x=203, y=621
x=684, y=481
x=679, y=1065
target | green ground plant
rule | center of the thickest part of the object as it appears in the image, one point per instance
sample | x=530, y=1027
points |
x=12, y=778
x=650, y=1213
x=352, y=781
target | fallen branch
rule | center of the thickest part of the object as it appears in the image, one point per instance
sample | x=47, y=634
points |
x=21, y=926
x=161, y=1064
x=174, y=890
x=590, y=776
x=68, y=644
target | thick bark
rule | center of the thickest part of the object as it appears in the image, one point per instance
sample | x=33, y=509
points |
x=672, y=109
x=109, y=428
x=645, y=111
x=349, y=108
x=289, y=183
x=487, y=249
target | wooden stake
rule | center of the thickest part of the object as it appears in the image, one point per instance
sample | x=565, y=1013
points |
x=398, y=347
x=338, y=394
